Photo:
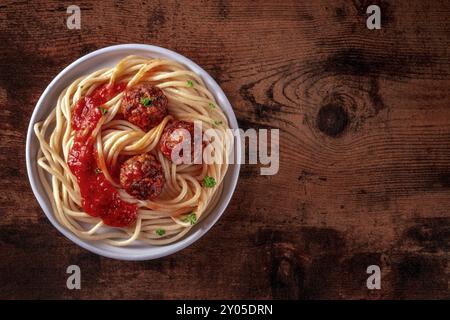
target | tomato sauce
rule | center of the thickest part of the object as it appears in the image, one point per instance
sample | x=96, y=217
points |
x=99, y=197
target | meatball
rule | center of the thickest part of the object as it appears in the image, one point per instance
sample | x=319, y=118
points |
x=142, y=177
x=176, y=133
x=144, y=105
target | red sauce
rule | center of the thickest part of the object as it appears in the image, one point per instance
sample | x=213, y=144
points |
x=99, y=197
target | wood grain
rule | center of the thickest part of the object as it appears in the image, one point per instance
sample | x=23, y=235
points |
x=364, y=121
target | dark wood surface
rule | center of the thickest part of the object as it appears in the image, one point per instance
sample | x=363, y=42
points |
x=364, y=119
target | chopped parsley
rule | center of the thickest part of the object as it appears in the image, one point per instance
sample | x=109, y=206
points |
x=209, y=182
x=146, y=101
x=217, y=122
x=160, y=232
x=98, y=170
x=189, y=83
x=191, y=218
x=103, y=110
x=211, y=105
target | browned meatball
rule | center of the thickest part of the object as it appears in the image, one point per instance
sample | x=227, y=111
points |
x=142, y=177
x=174, y=134
x=144, y=105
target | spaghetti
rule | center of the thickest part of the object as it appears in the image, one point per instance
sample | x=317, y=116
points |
x=103, y=157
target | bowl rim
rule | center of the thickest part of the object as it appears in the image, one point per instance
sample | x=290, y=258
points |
x=140, y=255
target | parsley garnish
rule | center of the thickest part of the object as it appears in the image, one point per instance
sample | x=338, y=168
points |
x=217, y=122
x=160, y=232
x=209, y=182
x=146, y=101
x=191, y=218
x=98, y=170
x=189, y=83
x=103, y=110
x=211, y=105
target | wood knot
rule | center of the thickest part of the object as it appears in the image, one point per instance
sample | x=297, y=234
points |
x=332, y=119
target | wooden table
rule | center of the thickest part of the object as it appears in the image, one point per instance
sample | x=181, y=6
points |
x=364, y=119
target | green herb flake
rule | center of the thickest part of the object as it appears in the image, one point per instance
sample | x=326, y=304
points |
x=217, y=122
x=160, y=232
x=212, y=105
x=146, y=101
x=98, y=170
x=189, y=83
x=209, y=182
x=103, y=110
x=191, y=218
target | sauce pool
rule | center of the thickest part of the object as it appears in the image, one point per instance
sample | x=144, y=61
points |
x=99, y=197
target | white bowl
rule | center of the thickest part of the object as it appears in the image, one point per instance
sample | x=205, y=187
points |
x=105, y=57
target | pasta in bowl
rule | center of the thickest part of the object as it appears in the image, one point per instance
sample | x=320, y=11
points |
x=126, y=157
